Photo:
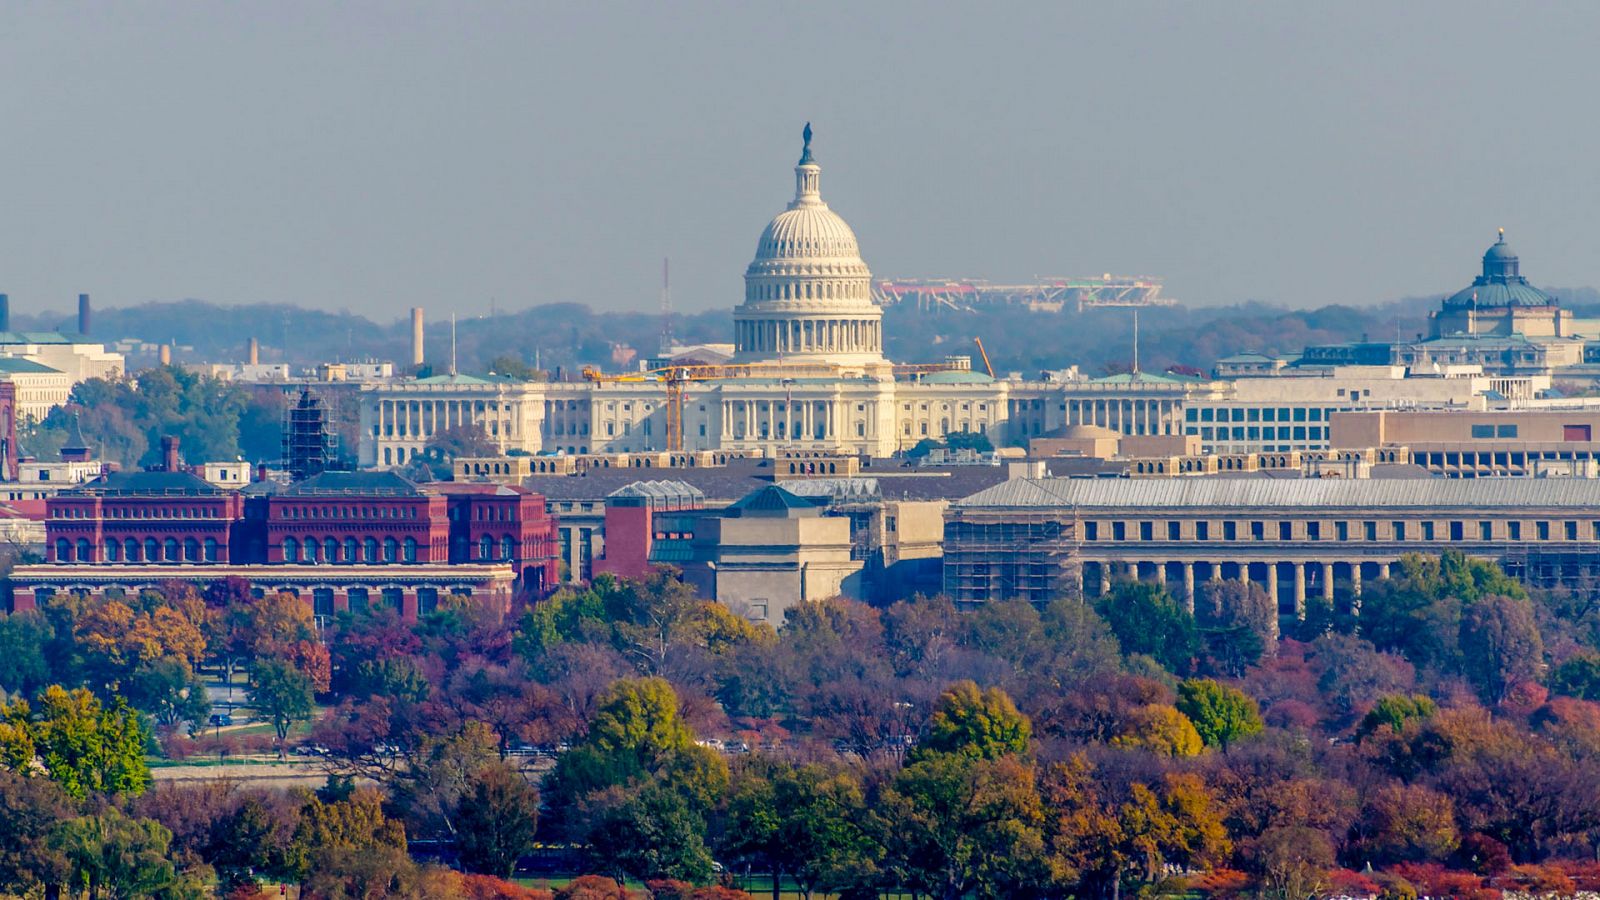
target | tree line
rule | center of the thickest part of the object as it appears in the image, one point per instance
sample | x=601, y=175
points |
x=1445, y=743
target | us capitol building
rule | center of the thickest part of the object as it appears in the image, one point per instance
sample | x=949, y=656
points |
x=811, y=375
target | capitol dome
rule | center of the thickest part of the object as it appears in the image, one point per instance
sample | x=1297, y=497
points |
x=1501, y=283
x=807, y=292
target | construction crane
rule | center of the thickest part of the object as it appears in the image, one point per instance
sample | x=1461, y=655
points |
x=984, y=354
x=673, y=379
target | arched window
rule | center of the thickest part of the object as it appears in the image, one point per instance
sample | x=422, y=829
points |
x=152, y=550
x=486, y=548
x=191, y=550
x=130, y=550
x=311, y=549
x=291, y=549
x=369, y=550
x=85, y=550
x=211, y=549
x=350, y=550
x=112, y=550
x=391, y=549
x=330, y=551
x=410, y=550
x=508, y=548
x=169, y=550
x=63, y=550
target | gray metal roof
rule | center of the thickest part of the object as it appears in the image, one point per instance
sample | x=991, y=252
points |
x=837, y=489
x=1501, y=493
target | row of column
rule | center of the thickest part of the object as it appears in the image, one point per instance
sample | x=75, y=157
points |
x=422, y=419
x=1131, y=416
x=1270, y=584
x=801, y=420
x=809, y=336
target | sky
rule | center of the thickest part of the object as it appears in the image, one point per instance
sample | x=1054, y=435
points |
x=374, y=156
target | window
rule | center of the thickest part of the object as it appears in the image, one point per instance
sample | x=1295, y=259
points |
x=63, y=550
x=1542, y=529
x=1119, y=531
x=409, y=550
x=1341, y=531
x=1369, y=530
x=1147, y=531
x=1091, y=531
x=112, y=550
x=369, y=550
x=1486, y=531
x=1202, y=531
x=1505, y=431
x=210, y=548
x=1572, y=531
x=1230, y=531
x=486, y=548
x=330, y=551
x=291, y=549
x=1399, y=530
x=169, y=549
x=1514, y=530
x=1258, y=531
x=1174, y=531
x=1313, y=531
x=1285, y=531
x=890, y=524
x=508, y=548
x=1427, y=531
x=191, y=550
x=350, y=554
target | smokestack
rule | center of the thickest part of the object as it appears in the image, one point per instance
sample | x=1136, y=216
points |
x=255, y=352
x=169, y=453
x=166, y=354
x=83, y=313
x=416, y=335
x=5, y=312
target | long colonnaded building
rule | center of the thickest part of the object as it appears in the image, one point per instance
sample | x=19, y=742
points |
x=1040, y=538
x=340, y=540
x=809, y=325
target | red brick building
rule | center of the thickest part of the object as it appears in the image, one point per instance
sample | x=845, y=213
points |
x=339, y=539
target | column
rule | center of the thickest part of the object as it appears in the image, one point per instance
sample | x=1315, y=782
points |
x=1272, y=586
x=1105, y=578
x=1300, y=591
x=1244, y=573
x=1383, y=570
x=1355, y=580
x=1327, y=583
x=1188, y=586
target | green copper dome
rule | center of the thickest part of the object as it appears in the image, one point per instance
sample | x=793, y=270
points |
x=1501, y=283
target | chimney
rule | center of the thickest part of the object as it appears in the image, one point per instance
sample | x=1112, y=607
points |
x=261, y=471
x=5, y=312
x=416, y=335
x=169, y=453
x=255, y=352
x=166, y=354
x=83, y=313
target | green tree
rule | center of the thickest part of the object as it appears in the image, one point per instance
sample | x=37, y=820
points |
x=497, y=821
x=513, y=367
x=84, y=746
x=952, y=825
x=23, y=639
x=113, y=856
x=1500, y=645
x=1221, y=714
x=980, y=724
x=645, y=830
x=1393, y=711
x=804, y=822
x=1578, y=676
x=282, y=693
x=1145, y=619
x=170, y=692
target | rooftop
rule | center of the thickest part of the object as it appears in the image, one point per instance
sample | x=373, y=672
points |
x=353, y=484
x=1259, y=493
x=149, y=484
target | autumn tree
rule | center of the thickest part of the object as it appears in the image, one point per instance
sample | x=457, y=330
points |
x=979, y=724
x=497, y=821
x=30, y=811
x=282, y=693
x=1405, y=822
x=1500, y=645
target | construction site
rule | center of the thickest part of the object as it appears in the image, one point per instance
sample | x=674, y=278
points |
x=1043, y=295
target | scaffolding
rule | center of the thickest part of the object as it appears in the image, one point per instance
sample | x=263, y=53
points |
x=307, y=443
x=1046, y=295
x=1033, y=557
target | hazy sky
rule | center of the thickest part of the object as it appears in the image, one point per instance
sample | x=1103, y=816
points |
x=376, y=156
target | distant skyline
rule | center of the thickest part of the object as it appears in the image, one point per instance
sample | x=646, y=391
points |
x=373, y=157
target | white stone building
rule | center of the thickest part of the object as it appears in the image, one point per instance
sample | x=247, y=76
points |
x=817, y=379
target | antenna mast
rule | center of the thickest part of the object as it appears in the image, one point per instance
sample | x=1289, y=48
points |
x=452, y=343
x=666, y=306
x=1136, y=340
